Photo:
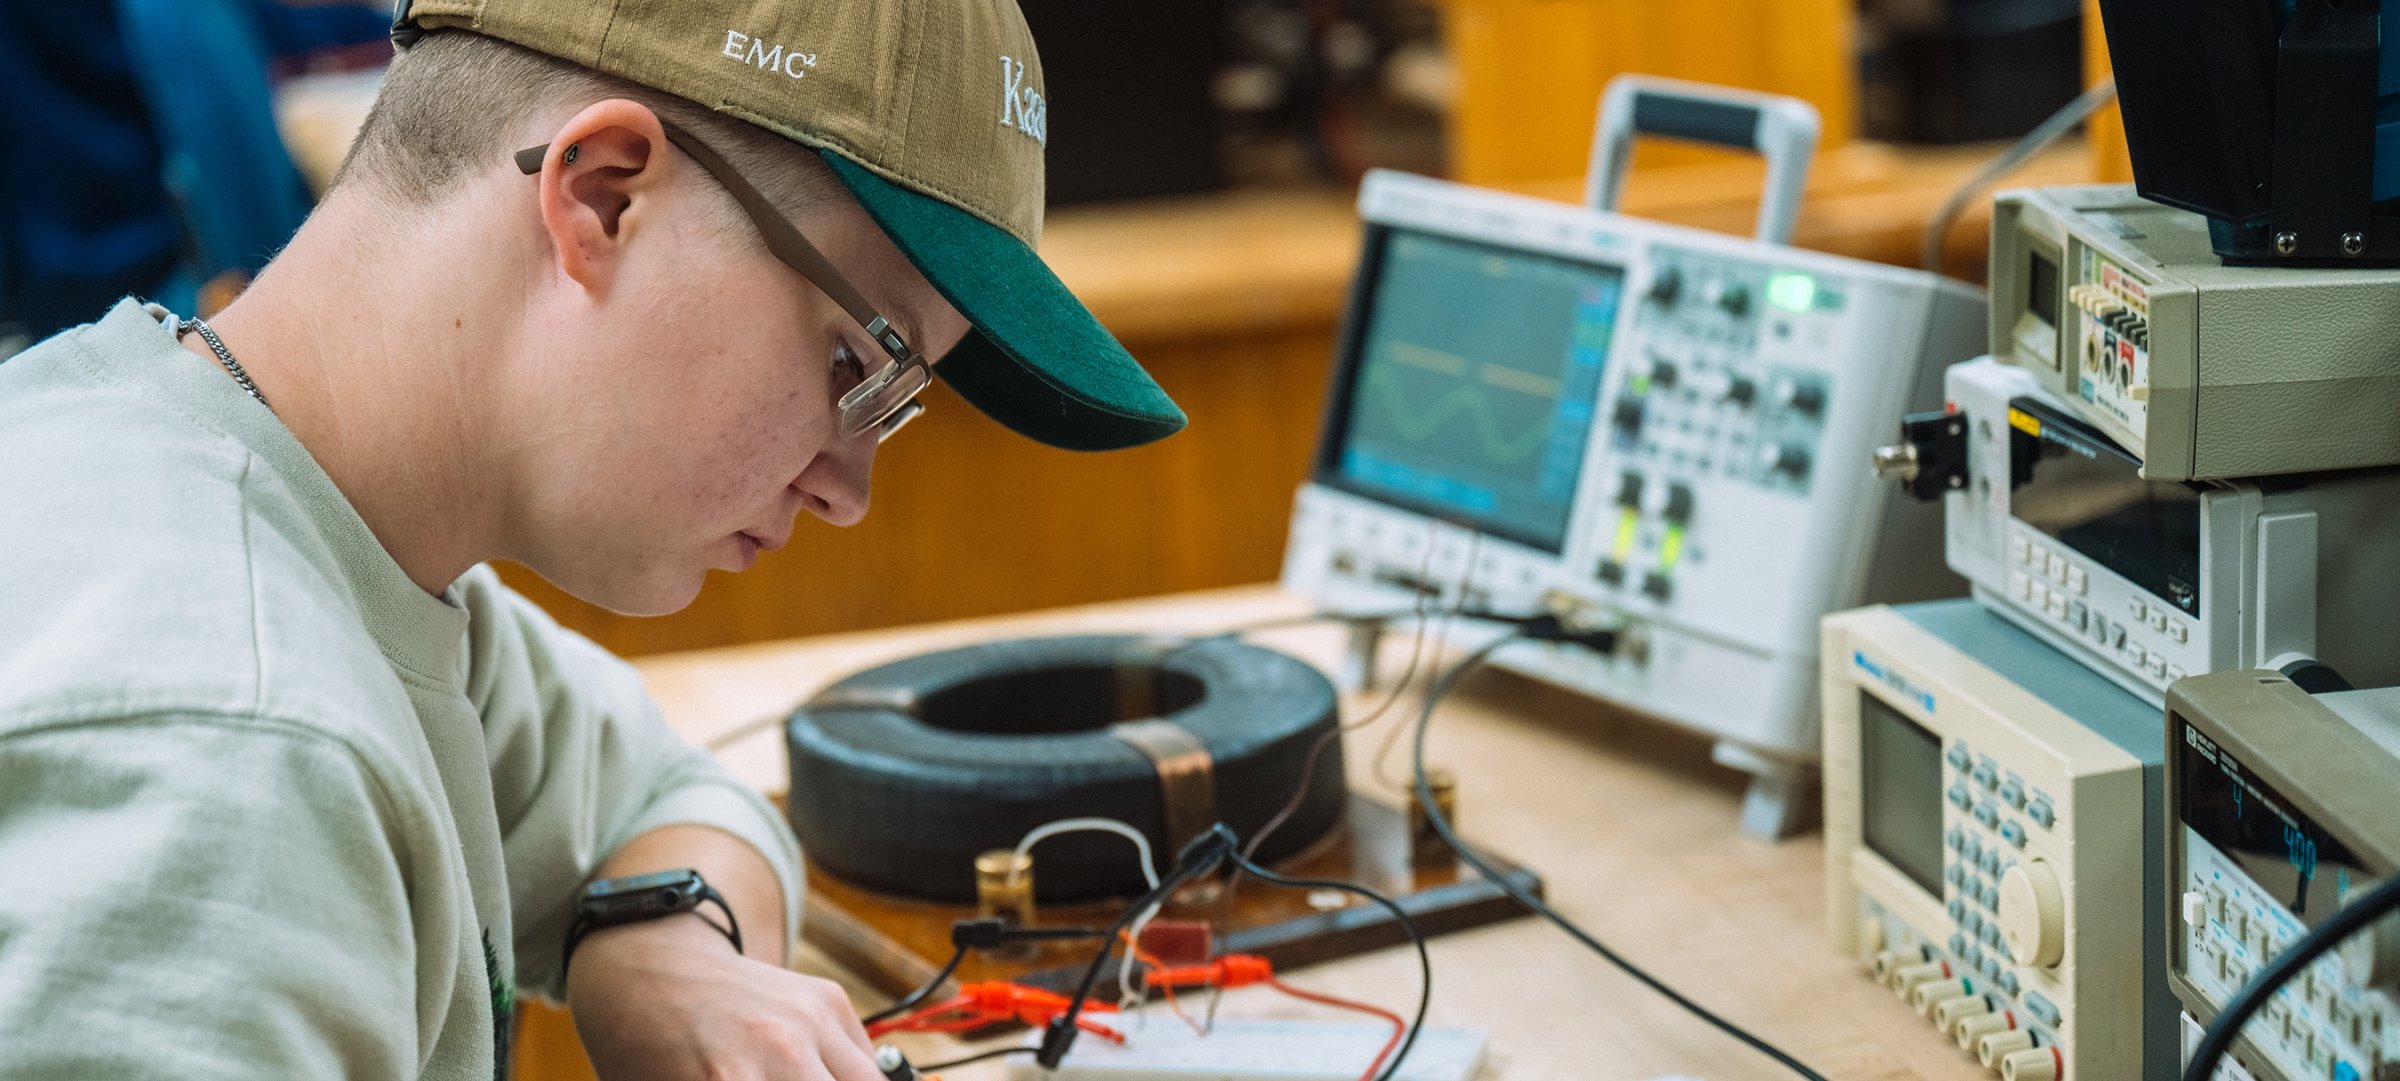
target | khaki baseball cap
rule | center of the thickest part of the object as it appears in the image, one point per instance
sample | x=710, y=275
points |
x=931, y=112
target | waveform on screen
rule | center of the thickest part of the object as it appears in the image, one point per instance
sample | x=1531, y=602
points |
x=1418, y=423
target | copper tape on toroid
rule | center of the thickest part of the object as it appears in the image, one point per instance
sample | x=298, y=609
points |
x=1187, y=774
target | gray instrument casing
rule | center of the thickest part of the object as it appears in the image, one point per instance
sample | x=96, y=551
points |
x=2288, y=567
x=2334, y=760
x=2240, y=371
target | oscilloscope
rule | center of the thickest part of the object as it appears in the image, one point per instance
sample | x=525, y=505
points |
x=1546, y=405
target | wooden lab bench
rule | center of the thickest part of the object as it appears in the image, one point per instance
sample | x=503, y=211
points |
x=1629, y=822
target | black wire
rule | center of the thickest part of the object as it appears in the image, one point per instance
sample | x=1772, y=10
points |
x=2228, y=1023
x=932, y=1067
x=920, y=994
x=1441, y=826
x=1061, y=1032
x=1416, y=937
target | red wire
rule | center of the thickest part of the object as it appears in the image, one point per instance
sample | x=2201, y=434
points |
x=1399, y=1027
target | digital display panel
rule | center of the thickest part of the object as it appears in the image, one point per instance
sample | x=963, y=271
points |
x=1900, y=775
x=2088, y=494
x=1471, y=383
x=2041, y=287
x=2287, y=854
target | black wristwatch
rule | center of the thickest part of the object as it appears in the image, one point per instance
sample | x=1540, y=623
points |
x=611, y=902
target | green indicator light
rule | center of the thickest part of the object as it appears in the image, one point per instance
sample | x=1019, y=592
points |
x=1792, y=292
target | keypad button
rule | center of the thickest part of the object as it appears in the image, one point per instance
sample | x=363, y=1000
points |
x=2012, y=833
x=1991, y=897
x=1958, y=755
x=1986, y=776
x=1973, y=922
x=2078, y=583
x=1959, y=795
x=2041, y=1008
x=1958, y=910
x=2008, y=982
x=2012, y=792
x=1955, y=838
x=2139, y=609
x=2158, y=666
x=2158, y=620
x=2041, y=814
x=1958, y=945
x=1992, y=936
x=1986, y=814
x=1972, y=850
x=2174, y=673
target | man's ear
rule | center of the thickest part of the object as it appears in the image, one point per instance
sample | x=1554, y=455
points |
x=602, y=167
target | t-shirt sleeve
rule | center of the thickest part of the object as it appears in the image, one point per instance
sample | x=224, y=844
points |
x=199, y=897
x=582, y=763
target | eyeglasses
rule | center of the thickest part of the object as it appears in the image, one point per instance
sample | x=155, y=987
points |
x=881, y=403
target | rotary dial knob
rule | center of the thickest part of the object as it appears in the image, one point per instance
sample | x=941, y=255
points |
x=2032, y=914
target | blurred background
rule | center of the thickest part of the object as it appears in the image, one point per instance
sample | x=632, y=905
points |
x=1202, y=160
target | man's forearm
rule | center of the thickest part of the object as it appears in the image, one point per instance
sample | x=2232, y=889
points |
x=737, y=870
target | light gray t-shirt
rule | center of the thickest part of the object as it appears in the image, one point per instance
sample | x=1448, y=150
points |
x=267, y=809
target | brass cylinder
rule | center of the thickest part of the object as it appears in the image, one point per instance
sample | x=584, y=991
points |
x=1426, y=843
x=1004, y=886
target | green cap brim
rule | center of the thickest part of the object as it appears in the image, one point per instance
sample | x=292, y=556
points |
x=1036, y=360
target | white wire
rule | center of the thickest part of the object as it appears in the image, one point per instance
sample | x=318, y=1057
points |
x=1141, y=844
x=1127, y=997
x=1085, y=825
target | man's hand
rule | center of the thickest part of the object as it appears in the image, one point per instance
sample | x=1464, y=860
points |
x=668, y=999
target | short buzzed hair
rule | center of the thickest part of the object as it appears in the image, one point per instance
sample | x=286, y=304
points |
x=452, y=103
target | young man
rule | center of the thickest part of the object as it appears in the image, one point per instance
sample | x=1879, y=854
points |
x=290, y=786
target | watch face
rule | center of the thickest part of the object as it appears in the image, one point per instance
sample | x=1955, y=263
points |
x=688, y=880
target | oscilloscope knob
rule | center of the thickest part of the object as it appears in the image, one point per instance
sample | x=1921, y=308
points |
x=1741, y=390
x=1628, y=416
x=1666, y=286
x=2032, y=914
x=1800, y=397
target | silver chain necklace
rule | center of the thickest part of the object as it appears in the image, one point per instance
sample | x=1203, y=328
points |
x=232, y=367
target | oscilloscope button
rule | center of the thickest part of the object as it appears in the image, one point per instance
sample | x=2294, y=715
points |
x=1662, y=373
x=1735, y=300
x=1611, y=572
x=2040, y=812
x=1629, y=490
x=1679, y=503
x=1741, y=390
x=1657, y=585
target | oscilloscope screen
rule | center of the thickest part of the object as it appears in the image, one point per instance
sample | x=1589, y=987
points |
x=1469, y=380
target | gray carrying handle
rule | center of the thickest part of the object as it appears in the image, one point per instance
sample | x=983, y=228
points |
x=1781, y=129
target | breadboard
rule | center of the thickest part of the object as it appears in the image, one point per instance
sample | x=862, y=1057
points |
x=1262, y=1050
